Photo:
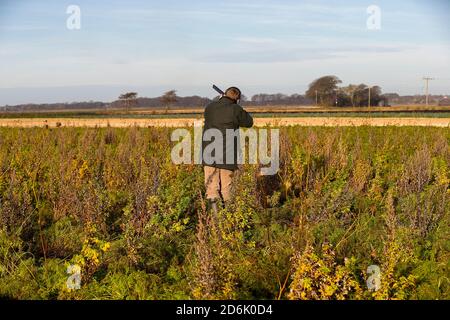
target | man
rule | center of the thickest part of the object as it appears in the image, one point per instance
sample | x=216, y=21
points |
x=223, y=114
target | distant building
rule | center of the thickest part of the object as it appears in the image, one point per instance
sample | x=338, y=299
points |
x=383, y=102
x=444, y=102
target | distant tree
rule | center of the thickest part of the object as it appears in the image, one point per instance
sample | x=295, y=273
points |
x=350, y=92
x=375, y=96
x=325, y=89
x=128, y=99
x=259, y=98
x=342, y=98
x=392, y=95
x=279, y=99
x=391, y=98
x=360, y=95
x=169, y=98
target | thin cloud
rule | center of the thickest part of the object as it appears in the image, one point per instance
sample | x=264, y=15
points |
x=285, y=53
x=299, y=6
x=23, y=28
x=256, y=40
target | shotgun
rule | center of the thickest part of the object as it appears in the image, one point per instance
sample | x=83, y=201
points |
x=218, y=90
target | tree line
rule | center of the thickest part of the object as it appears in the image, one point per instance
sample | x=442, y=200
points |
x=325, y=91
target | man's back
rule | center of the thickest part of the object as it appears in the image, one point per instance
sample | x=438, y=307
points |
x=225, y=114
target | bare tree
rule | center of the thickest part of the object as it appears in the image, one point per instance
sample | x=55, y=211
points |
x=169, y=98
x=128, y=99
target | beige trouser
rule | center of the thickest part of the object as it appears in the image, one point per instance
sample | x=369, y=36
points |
x=218, y=181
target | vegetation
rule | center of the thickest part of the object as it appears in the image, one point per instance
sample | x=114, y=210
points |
x=111, y=202
x=326, y=92
x=169, y=98
x=258, y=112
x=128, y=100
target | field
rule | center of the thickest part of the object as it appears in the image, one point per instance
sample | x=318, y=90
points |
x=267, y=109
x=110, y=202
x=264, y=116
x=259, y=122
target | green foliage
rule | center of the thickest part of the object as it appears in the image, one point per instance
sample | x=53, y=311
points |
x=320, y=277
x=111, y=201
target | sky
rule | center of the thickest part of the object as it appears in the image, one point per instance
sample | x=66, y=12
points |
x=258, y=45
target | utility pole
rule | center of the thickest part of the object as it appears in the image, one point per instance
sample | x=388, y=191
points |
x=427, y=80
x=316, y=98
x=353, y=98
x=369, y=96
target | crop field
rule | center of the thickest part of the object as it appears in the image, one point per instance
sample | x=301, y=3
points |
x=262, y=121
x=264, y=116
x=110, y=202
x=403, y=110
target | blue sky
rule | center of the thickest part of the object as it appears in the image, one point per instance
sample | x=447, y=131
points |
x=260, y=46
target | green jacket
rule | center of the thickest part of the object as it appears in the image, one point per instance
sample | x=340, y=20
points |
x=224, y=114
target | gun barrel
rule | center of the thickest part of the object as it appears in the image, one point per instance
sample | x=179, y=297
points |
x=218, y=89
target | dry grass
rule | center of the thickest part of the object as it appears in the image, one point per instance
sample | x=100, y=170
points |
x=294, y=109
x=257, y=109
x=181, y=122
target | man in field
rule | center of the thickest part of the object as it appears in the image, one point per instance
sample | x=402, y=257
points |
x=221, y=115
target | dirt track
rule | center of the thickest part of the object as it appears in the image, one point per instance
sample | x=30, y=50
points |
x=303, y=121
